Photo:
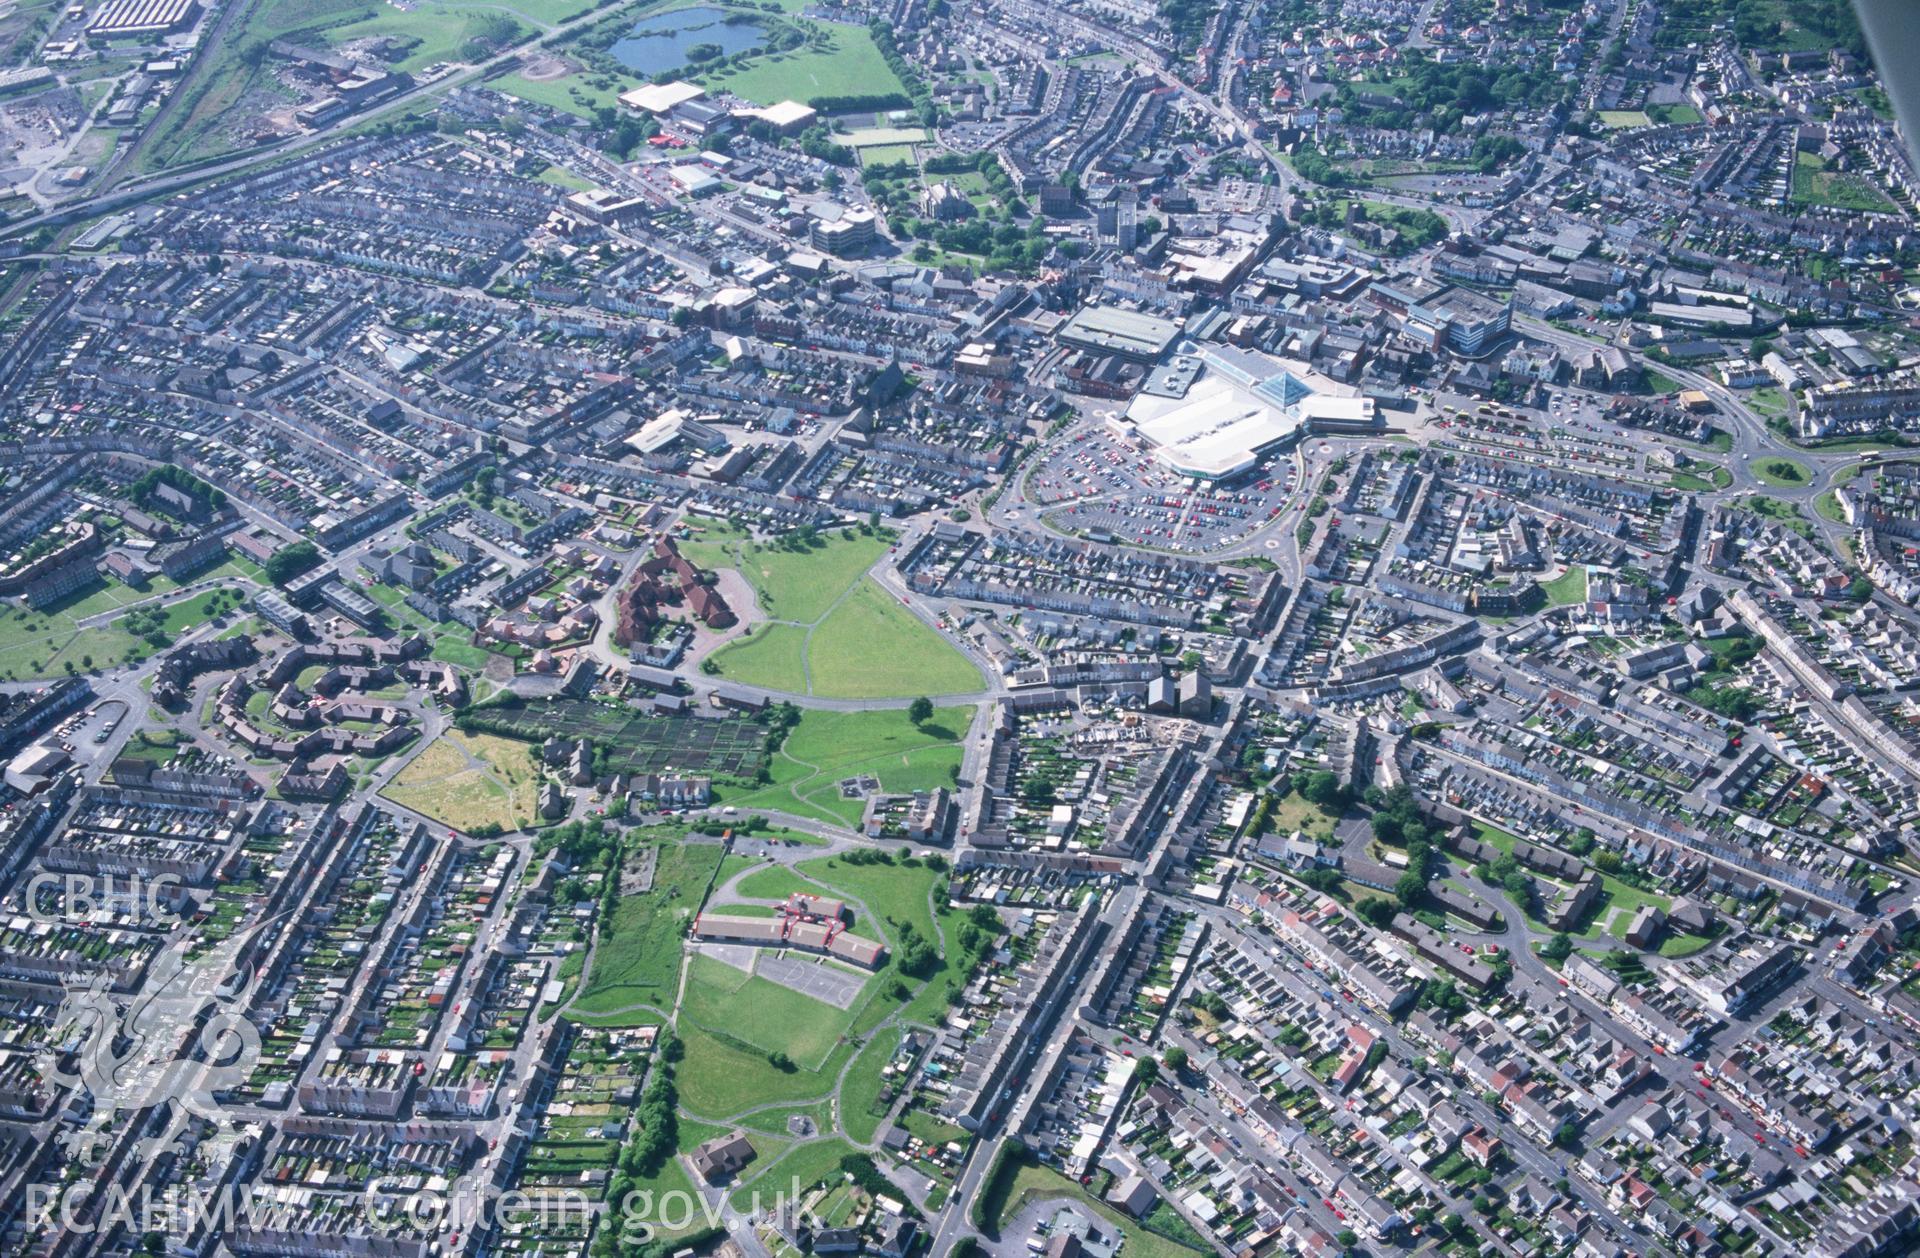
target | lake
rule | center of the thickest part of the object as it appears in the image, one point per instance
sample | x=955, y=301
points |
x=661, y=42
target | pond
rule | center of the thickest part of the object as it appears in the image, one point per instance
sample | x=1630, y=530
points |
x=661, y=42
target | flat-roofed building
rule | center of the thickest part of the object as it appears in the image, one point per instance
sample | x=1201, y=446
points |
x=659, y=99
x=1219, y=419
x=126, y=19
x=1123, y=333
x=788, y=117
x=1215, y=431
x=853, y=231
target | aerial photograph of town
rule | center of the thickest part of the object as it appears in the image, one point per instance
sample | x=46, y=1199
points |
x=959, y=628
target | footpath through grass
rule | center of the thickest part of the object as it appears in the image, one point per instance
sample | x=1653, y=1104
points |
x=51, y=642
x=722, y=1076
x=833, y=631
x=764, y=1014
x=636, y=959
x=801, y=584
x=826, y=748
x=469, y=781
x=736, y=1027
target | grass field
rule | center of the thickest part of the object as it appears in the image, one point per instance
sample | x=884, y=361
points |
x=636, y=959
x=868, y=137
x=1781, y=472
x=828, y=746
x=870, y=647
x=837, y=60
x=773, y=656
x=1682, y=945
x=775, y=882
x=1659, y=381
x=450, y=648
x=1770, y=403
x=561, y=177
x=440, y=784
x=860, y=1091
x=713, y=543
x=802, y=585
x=1621, y=119
x=805, y=1164
x=718, y=1078
x=835, y=633
x=578, y=94
x=1814, y=184
x=775, y=1120
x=435, y=31
x=1297, y=812
x=886, y=154
x=1567, y=588
x=468, y=781
x=42, y=643
x=762, y=1013
x=1674, y=115
x=743, y=910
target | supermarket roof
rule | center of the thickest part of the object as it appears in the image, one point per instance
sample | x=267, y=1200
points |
x=1224, y=408
x=1219, y=428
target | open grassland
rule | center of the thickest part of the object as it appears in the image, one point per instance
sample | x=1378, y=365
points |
x=43, y=643
x=720, y=1077
x=871, y=647
x=1567, y=588
x=835, y=632
x=837, y=60
x=636, y=958
x=826, y=747
x=805, y=1164
x=773, y=656
x=802, y=584
x=860, y=1093
x=762, y=1013
x=457, y=785
x=775, y=882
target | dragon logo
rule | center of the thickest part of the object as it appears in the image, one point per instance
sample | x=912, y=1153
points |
x=157, y=1056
